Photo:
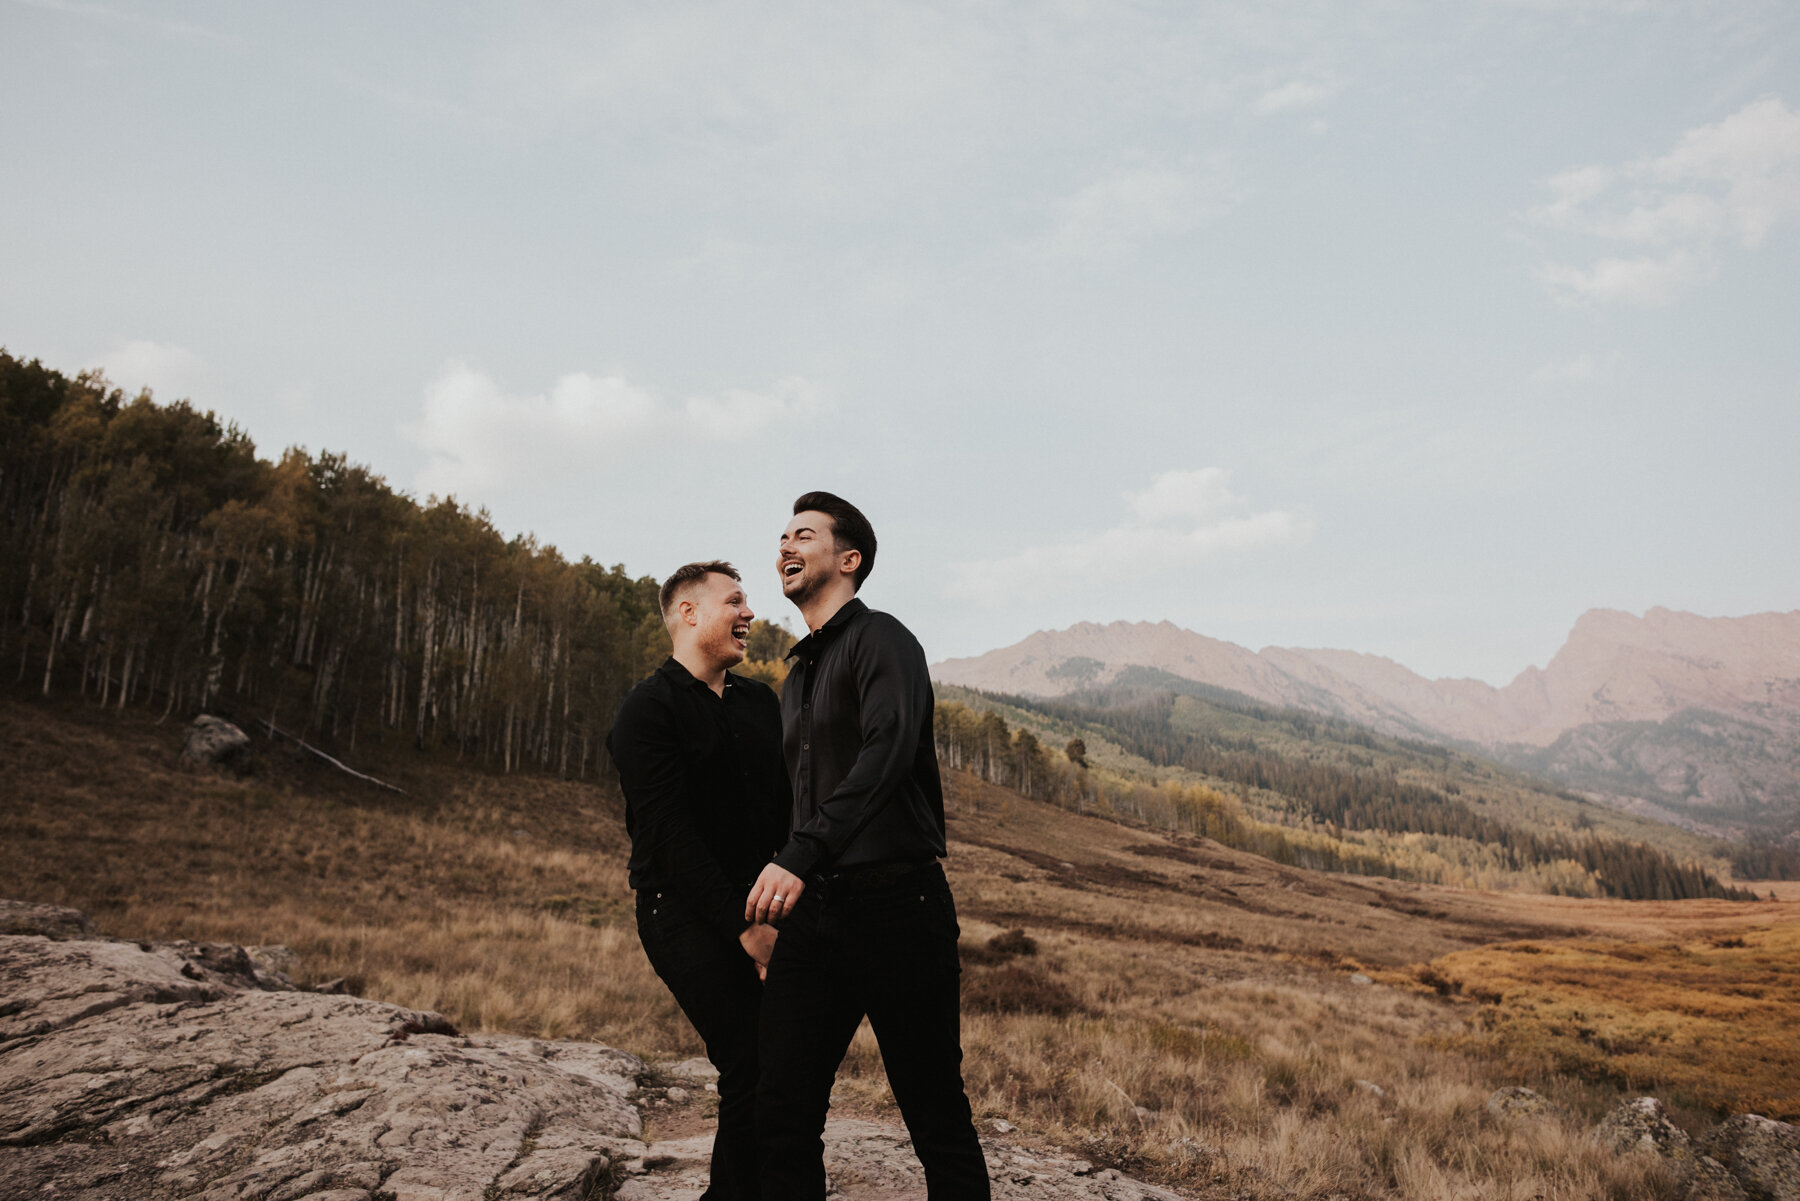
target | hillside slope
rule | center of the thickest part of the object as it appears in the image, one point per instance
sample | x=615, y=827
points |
x=1696, y=719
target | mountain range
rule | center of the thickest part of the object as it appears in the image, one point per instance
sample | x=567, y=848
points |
x=1692, y=719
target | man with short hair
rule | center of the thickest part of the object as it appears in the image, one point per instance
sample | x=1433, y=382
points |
x=868, y=926
x=706, y=804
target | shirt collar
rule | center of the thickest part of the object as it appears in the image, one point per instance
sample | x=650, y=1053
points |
x=838, y=621
x=682, y=677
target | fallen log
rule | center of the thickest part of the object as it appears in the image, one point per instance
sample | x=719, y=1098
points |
x=337, y=763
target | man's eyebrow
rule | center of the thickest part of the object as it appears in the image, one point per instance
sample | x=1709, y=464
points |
x=795, y=533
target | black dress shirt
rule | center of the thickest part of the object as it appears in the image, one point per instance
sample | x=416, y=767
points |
x=856, y=730
x=706, y=793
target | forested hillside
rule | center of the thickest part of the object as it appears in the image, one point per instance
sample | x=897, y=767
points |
x=150, y=558
x=1304, y=789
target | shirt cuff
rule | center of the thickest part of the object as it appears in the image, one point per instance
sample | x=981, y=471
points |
x=799, y=856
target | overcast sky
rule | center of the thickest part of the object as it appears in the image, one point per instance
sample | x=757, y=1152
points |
x=1410, y=328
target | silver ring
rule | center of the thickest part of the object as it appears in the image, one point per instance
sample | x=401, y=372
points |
x=779, y=899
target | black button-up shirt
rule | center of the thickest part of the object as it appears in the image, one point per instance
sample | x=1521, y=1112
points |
x=856, y=730
x=706, y=793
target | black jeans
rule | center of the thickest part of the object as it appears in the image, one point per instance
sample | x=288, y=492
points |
x=715, y=984
x=888, y=951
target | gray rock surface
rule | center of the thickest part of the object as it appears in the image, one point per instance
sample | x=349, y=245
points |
x=216, y=742
x=172, y=1071
x=51, y=921
x=1762, y=1153
x=874, y=1160
x=1640, y=1126
x=698, y=1070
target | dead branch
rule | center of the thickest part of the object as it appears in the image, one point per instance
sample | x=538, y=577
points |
x=341, y=766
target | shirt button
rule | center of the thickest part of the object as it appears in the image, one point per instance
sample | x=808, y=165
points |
x=806, y=746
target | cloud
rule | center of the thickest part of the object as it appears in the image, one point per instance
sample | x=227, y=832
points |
x=739, y=413
x=1181, y=518
x=480, y=440
x=1107, y=220
x=1649, y=282
x=1733, y=182
x=171, y=372
x=1299, y=93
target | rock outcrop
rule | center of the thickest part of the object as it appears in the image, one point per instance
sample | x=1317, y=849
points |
x=1763, y=1154
x=196, y=1070
x=51, y=921
x=130, y=1071
x=1640, y=1127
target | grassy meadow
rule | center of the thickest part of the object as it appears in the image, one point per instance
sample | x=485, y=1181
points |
x=1711, y=1019
x=1149, y=1000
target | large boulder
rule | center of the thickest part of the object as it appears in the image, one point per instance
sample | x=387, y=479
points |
x=214, y=742
x=175, y=1071
x=1640, y=1126
x=1762, y=1153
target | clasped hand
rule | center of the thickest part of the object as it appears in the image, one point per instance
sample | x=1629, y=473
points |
x=774, y=895
x=771, y=897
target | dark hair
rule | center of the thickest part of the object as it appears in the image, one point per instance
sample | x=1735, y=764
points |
x=850, y=530
x=685, y=575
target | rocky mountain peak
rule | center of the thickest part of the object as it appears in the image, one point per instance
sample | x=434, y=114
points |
x=1615, y=670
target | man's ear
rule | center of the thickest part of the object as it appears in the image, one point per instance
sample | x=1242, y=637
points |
x=849, y=561
x=688, y=611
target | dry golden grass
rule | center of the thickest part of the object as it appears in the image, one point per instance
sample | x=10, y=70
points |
x=502, y=903
x=1711, y=1019
x=1219, y=1043
x=1176, y=1008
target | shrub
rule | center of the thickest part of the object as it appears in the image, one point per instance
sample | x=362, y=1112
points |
x=1016, y=988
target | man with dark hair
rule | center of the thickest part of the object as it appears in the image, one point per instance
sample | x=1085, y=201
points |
x=706, y=803
x=868, y=926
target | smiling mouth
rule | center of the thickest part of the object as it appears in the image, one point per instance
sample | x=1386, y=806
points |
x=741, y=633
x=790, y=570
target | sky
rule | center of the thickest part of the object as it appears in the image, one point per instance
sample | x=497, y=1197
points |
x=1416, y=329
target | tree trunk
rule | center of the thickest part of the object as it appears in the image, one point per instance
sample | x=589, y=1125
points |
x=427, y=602
x=125, y=672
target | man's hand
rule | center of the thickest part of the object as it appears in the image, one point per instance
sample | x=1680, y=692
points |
x=759, y=944
x=774, y=895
